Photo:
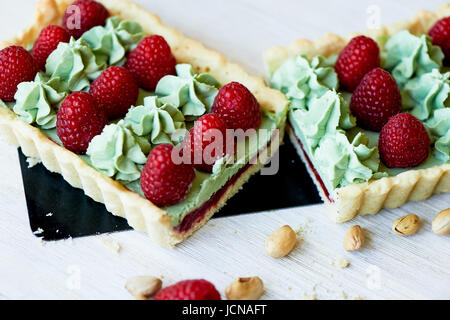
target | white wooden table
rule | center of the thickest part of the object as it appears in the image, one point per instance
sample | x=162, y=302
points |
x=389, y=267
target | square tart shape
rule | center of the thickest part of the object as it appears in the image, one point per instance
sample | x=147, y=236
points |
x=389, y=192
x=140, y=213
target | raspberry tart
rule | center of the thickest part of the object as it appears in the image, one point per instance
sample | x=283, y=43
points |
x=134, y=113
x=370, y=114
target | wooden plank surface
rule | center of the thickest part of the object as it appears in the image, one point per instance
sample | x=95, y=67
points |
x=389, y=267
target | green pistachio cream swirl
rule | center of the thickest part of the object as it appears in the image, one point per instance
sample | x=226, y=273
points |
x=74, y=65
x=408, y=56
x=345, y=162
x=192, y=93
x=37, y=101
x=341, y=160
x=118, y=152
x=111, y=42
x=121, y=149
x=439, y=129
x=320, y=116
x=301, y=80
x=426, y=93
x=156, y=120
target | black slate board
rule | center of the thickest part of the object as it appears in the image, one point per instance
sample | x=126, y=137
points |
x=62, y=211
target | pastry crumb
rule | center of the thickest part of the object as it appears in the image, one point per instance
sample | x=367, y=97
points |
x=300, y=229
x=307, y=296
x=39, y=231
x=343, y=295
x=303, y=228
x=32, y=162
x=312, y=295
x=111, y=244
x=341, y=263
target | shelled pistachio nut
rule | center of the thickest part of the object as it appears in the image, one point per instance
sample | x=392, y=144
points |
x=406, y=225
x=281, y=242
x=354, y=239
x=441, y=223
x=143, y=287
x=245, y=289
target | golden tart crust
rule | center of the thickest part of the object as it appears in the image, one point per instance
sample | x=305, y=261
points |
x=390, y=192
x=140, y=213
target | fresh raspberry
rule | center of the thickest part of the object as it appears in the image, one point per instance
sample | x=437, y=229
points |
x=440, y=33
x=403, y=142
x=237, y=107
x=83, y=15
x=189, y=290
x=358, y=57
x=375, y=100
x=150, y=61
x=16, y=66
x=115, y=91
x=202, y=139
x=164, y=182
x=79, y=121
x=47, y=42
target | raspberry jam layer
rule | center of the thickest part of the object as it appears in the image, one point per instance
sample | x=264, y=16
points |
x=196, y=216
x=311, y=166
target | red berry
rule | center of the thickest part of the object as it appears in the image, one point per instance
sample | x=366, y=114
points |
x=115, y=91
x=375, y=100
x=164, y=182
x=150, y=61
x=237, y=107
x=189, y=290
x=16, y=66
x=79, y=121
x=440, y=33
x=358, y=57
x=404, y=142
x=83, y=15
x=47, y=42
x=204, y=144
